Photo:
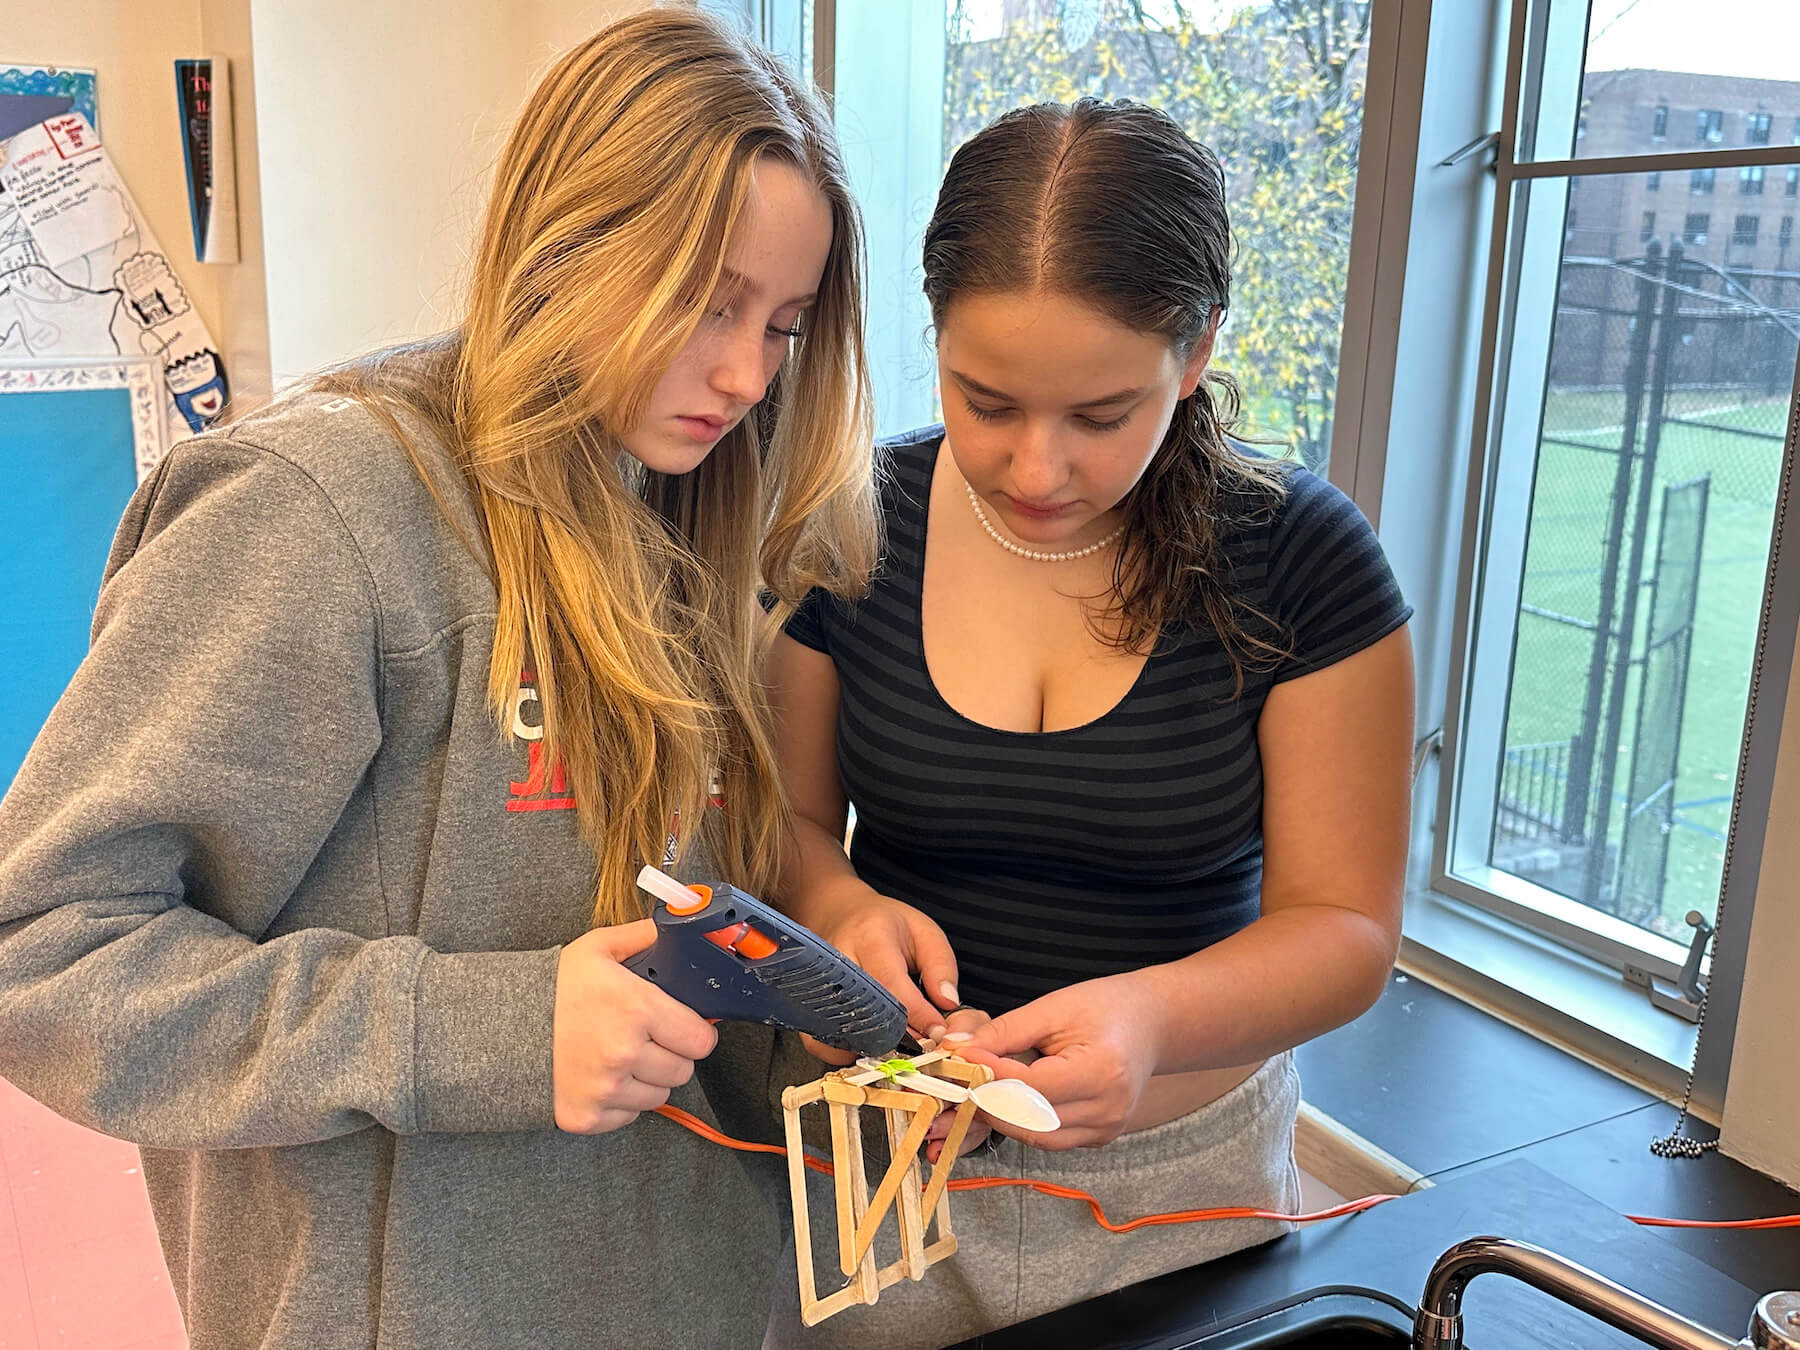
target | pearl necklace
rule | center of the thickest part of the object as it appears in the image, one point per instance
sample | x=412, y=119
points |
x=1036, y=555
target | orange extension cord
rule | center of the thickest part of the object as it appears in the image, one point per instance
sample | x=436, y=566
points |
x=705, y=1131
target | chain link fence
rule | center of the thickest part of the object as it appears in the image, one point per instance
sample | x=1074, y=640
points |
x=1659, y=454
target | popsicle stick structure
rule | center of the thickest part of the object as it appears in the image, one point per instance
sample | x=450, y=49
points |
x=908, y=1100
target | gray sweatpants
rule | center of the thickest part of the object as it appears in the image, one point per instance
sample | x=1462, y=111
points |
x=1020, y=1253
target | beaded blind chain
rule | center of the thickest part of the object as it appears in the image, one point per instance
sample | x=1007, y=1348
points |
x=1035, y=554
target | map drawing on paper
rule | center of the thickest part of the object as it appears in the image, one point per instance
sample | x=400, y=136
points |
x=81, y=274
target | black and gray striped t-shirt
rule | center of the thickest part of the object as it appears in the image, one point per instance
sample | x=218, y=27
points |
x=1055, y=857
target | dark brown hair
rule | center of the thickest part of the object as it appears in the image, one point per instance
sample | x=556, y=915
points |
x=1114, y=205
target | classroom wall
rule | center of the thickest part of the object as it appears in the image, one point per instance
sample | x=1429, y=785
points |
x=365, y=133
x=377, y=129
x=243, y=286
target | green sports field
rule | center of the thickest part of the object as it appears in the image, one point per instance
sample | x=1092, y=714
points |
x=1571, y=506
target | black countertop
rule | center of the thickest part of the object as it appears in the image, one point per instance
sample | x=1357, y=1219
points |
x=1520, y=1140
x=1496, y=1093
x=1389, y=1250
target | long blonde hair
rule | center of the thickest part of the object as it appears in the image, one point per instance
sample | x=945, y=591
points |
x=631, y=595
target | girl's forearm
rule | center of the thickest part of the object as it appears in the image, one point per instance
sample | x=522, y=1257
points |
x=818, y=880
x=1286, y=978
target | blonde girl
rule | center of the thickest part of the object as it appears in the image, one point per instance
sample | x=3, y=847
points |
x=317, y=882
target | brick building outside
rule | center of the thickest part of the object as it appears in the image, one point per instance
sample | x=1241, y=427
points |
x=1734, y=218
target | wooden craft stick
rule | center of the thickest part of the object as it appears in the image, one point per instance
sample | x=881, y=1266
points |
x=940, y=1175
x=905, y=1157
x=843, y=1162
x=860, y=1076
x=963, y=1071
x=796, y=1161
x=906, y=1204
x=867, y=1280
x=793, y=1098
x=894, y=1099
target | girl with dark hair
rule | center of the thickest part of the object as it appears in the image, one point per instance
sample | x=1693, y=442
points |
x=1125, y=718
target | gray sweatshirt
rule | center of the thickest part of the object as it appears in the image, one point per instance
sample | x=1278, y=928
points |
x=281, y=903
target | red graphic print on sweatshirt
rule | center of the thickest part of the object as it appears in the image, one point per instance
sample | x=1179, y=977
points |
x=543, y=789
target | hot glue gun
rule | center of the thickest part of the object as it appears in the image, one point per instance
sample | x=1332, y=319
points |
x=727, y=955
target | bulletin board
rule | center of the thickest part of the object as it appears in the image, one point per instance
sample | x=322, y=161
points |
x=74, y=436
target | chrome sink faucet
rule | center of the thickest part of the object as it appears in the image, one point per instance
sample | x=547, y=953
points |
x=1774, y=1325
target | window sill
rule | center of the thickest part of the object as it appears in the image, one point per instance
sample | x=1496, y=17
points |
x=1557, y=995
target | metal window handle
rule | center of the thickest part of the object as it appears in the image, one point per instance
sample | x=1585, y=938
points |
x=1689, y=979
x=1486, y=141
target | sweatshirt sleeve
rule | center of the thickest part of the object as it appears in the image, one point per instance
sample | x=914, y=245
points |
x=189, y=777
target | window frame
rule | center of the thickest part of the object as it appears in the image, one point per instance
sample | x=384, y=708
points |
x=1656, y=1051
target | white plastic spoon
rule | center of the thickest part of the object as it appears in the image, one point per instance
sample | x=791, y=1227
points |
x=1010, y=1100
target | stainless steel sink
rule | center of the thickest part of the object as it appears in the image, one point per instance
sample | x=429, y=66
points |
x=1342, y=1320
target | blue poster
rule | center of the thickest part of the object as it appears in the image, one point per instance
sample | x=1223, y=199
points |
x=66, y=458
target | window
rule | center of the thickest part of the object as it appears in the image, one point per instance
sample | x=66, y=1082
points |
x=1653, y=182
x=1750, y=180
x=1756, y=128
x=1793, y=180
x=1647, y=228
x=1787, y=231
x=1659, y=123
x=1634, y=422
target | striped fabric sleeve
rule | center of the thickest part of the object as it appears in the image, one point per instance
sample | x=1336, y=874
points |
x=807, y=627
x=1330, y=586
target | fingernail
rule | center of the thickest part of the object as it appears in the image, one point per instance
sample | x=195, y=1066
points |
x=936, y=1031
x=960, y=1036
x=947, y=992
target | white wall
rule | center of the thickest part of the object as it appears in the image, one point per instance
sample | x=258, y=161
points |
x=1761, y=1123
x=377, y=125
